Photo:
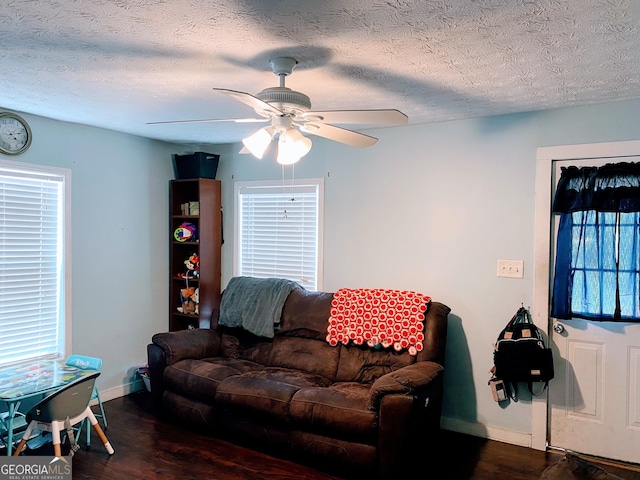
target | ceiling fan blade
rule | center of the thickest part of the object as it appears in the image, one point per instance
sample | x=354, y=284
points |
x=338, y=134
x=377, y=117
x=209, y=120
x=260, y=107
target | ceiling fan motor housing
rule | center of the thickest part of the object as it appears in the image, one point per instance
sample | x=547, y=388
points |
x=286, y=100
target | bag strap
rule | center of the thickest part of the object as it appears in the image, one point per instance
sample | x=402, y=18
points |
x=530, y=385
x=512, y=322
x=534, y=328
x=513, y=389
x=523, y=316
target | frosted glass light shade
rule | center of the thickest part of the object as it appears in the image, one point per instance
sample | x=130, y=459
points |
x=258, y=142
x=292, y=146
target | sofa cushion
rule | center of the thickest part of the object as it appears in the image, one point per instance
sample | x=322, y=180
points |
x=312, y=356
x=338, y=411
x=237, y=343
x=267, y=391
x=366, y=365
x=199, y=379
x=305, y=314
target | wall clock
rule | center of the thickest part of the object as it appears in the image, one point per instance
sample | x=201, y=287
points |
x=15, y=134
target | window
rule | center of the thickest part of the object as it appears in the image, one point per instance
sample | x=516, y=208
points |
x=278, y=231
x=604, y=270
x=33, y=213
x=597, y=271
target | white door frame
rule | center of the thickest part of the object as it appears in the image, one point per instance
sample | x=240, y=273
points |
x=542, y=248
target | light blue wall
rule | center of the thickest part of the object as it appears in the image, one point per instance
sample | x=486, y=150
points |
x=432, y=208
x=429, y=208
x=119, y=246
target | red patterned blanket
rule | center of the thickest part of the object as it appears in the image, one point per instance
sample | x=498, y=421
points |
x=378, y=317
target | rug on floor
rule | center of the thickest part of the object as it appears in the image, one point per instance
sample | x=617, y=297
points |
x=574, y=467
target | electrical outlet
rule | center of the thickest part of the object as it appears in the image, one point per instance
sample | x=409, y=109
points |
x=511, y=268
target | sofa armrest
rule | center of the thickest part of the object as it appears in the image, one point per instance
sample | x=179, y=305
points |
x=195, y=343
x=169, y=347
x=406, y=380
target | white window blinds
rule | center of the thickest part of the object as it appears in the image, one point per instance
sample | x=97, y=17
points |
x=278, y=231
x=31, y=235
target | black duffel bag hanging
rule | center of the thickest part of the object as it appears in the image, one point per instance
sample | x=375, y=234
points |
x=520, y=354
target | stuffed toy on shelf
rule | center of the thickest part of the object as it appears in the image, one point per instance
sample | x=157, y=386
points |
x=195, y=298
x=193, y=267
x=190, y=296
x=186, y=300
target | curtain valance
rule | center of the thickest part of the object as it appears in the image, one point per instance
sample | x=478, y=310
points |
x=610, y=188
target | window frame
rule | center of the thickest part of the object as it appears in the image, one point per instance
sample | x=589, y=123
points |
x=317, y=183
x=65, y=300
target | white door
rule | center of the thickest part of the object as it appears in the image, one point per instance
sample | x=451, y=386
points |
x=595, y=396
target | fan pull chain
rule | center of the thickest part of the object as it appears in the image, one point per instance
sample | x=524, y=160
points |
x=283, y=190
x=292, y=199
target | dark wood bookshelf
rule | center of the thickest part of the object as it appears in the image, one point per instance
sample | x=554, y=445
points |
x=207, y=192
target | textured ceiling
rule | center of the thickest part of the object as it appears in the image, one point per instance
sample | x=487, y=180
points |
x=119, y=64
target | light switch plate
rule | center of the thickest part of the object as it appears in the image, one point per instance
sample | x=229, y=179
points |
x=511, y=268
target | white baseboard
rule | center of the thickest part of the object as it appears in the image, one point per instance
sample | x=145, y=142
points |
x=490, y=433
x=121, y=390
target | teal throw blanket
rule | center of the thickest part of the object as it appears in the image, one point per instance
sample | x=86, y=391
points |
x=255, y=304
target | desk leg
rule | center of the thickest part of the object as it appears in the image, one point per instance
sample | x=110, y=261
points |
x=13, y=409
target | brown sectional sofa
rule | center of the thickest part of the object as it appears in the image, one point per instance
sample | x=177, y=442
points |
x=346, y=408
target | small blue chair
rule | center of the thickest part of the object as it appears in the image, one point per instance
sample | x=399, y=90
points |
x=84, y=362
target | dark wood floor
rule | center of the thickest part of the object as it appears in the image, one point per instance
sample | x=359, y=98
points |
x=149, y=448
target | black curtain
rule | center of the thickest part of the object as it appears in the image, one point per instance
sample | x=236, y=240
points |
x=597, y=269
x=614, y=187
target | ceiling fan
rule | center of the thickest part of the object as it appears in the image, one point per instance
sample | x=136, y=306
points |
x=286, y=109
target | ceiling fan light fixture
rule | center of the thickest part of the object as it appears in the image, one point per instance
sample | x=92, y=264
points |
x=292, y=146
x=287, y=158
x=285, y=108
x=258, y=142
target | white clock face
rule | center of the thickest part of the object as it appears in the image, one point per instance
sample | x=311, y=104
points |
x=15, y=134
